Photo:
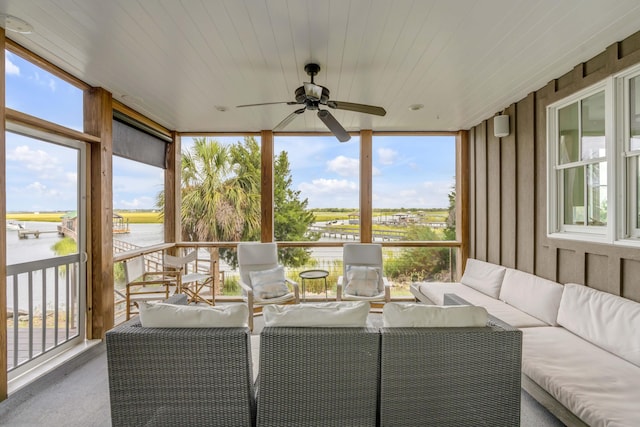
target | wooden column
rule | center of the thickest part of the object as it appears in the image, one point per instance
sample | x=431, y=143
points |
x=366, y=192
x=266, y=186
x=172, y=192
x=462, y=199
x=3, y=233
x=98, y=121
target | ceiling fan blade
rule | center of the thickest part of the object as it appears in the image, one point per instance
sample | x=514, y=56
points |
x=333, y=125
x=360, y=108
x=267, y=103
x=288, y=119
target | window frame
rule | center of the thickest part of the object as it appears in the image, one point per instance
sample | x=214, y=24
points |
x=556, y=228
x=627, y=179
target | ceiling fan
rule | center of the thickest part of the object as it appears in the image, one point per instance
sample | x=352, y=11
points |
x=312, y=97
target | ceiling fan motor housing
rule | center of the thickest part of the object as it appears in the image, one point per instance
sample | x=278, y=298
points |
x=301, y=98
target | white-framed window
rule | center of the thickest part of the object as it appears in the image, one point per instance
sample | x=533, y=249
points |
x=629, y=179
x=580, y=149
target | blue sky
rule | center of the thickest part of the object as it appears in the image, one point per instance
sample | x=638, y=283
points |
x=409, y=172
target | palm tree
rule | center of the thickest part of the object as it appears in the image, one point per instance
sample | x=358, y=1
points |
x=220, y=197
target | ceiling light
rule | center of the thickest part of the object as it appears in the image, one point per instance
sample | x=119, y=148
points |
x=416, y=107
x=16, y=25
x=221, y=108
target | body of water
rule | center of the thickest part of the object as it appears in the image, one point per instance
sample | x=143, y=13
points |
x=33, y=249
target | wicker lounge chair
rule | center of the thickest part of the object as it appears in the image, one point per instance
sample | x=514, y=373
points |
x=180, y=376
x=450, y=376
x=318, y=377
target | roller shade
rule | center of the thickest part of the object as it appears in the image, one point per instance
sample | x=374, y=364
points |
x=134, y=141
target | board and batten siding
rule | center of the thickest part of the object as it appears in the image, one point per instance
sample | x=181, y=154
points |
x=508, y=190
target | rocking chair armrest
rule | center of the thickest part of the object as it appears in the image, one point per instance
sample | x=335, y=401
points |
x=339, y=289
x=387, y=290
x=248, y=289
x=296, y=289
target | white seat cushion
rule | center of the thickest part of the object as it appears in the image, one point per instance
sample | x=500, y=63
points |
x=161, y=315
x=434, y=292
x=607, y=320
x=328, y=314
x=400, y=315
x=599, y=387
x=532, y=294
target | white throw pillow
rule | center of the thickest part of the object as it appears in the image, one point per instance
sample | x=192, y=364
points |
x=483, y=277
x=402, y=315
x=326, y=314
x=162, y=315
x=269, y=283
x=362, y=281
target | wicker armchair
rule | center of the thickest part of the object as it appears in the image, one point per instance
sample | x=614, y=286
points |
x=318, y=377
x=450, y=376
x=171, y=377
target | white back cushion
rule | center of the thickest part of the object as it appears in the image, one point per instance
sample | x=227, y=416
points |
x=401, y=315
x=608, y=321
x=269, y=283
x=325, y=315
x=532, y=294
x=161, y=315
x=362, y=281
x=483, y=276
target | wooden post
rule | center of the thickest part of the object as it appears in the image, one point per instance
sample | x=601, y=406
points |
x=266, y=180
x=462, y=200
x=3, y=233
x=366, y=192
x=172, y=192
x=98, y=121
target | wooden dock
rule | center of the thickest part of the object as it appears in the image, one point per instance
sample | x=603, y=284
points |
x=24, y=234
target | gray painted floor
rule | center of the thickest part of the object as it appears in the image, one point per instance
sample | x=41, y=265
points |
x=78, y=395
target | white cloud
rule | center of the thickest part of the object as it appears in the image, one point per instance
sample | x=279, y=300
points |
x=428, y=194
x=344, y=166
x=42, y=190
x=72, y=177
x=34, y=160
x=37, y=186
x=52, y=85
x=322, y=192
x=387, y=156
x=11, y=68
x=143, y=202
x=328, y=186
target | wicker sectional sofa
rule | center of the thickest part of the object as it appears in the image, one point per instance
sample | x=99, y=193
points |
x=180, y=376
x=581, y=346
x=315, y=376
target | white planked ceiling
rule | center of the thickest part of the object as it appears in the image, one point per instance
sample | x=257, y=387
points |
x=176, y=61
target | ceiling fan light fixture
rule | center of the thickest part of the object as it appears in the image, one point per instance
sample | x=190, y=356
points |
x=313, y=91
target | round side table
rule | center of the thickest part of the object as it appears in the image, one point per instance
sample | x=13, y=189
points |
x=313, y=275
